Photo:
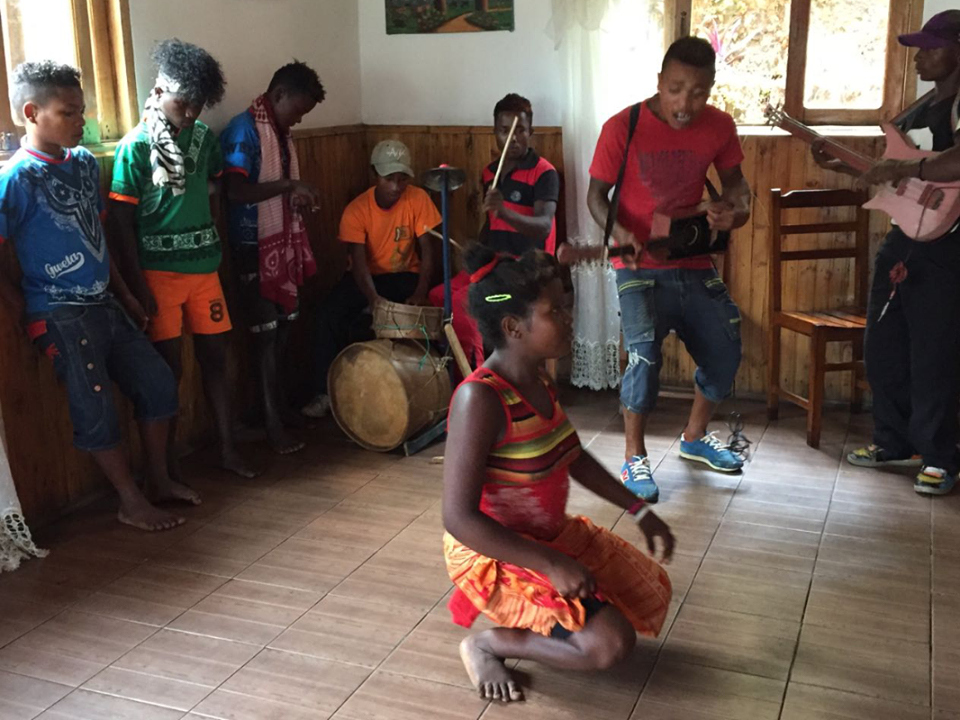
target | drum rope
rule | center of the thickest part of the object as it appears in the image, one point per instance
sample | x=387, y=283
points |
x=407, y=328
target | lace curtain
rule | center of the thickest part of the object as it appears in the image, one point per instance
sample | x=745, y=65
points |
x=610, y=52
x=15, y=541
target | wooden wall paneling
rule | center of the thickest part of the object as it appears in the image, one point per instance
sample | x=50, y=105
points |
x=753, y=282
x=778, y=161
x=336, y=159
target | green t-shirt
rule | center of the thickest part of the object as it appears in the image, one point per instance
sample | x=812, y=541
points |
x=176, y=233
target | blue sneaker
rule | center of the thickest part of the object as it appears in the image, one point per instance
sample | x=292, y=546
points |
x=637, y=477
x=710, y=451
x=934, y=481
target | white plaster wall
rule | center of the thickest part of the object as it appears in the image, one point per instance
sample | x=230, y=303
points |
x=251, y=39
x=457, y=78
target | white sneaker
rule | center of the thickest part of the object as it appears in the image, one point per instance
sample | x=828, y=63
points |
x=317, y=408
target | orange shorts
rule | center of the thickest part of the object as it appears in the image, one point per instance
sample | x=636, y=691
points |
x=184, y=300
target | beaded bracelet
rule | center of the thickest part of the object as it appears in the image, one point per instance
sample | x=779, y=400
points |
x=639, y=510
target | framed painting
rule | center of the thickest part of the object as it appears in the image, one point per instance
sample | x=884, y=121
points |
x=406, y=17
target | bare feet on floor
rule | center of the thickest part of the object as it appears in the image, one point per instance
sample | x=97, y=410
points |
x=487, y=672
x=144, y=516
x=168, y=489
x=282, y=443
x=232, y=461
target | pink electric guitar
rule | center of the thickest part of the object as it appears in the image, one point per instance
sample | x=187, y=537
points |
x=924, y=211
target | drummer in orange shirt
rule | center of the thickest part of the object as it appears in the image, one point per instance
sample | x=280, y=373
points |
x=383, y=229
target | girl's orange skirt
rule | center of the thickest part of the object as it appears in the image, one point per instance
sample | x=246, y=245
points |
x=515, y=597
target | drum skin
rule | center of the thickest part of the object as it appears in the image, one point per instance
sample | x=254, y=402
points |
x=382, y=392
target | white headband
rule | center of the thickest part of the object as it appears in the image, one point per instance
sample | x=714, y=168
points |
x=167, y=84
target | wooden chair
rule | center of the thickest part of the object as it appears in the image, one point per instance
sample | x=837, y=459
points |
x=822, y=326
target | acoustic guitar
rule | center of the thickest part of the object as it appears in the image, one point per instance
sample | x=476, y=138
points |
x=923, y=210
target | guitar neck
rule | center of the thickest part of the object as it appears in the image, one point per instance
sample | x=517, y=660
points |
x=852, y=158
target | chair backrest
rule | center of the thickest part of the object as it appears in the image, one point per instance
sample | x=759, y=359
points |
x=859, y=227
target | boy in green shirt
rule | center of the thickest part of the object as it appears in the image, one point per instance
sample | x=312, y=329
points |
x=166, y=170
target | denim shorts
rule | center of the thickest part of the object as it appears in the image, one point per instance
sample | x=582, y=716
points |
x=92, y=345
x=693, y=303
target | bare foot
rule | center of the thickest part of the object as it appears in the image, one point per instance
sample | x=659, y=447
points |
x=282, y=442
x=487, y=672
x=173, y=467
x=172, y=490
x=144, y=516
x=232, y=461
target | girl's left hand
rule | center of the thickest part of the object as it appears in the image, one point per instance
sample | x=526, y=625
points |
x=652, y=528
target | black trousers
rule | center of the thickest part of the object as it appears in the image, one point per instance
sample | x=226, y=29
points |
x=342, y=321
x=912, y=353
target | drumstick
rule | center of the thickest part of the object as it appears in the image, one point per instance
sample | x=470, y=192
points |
x=453, y=242
x=503, y=155
x=496, y=177
x=458, y=354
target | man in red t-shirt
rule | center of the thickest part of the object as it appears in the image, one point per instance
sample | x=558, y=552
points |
x=677, y=138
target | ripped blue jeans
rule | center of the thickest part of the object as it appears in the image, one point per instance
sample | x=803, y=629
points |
x=693, y=303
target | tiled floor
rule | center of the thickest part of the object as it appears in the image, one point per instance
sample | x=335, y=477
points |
x=805, y=589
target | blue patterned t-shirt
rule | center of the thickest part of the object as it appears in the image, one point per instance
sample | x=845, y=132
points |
x=50, y=209
x=240, y=144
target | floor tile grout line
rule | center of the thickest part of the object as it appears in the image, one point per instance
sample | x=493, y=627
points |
x=330, y=591
x=262, y=648
x=666, y=635
x=832, y=504
x=813, y=572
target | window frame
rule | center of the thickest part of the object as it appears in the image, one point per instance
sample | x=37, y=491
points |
x=105, y=57
x=899, y=83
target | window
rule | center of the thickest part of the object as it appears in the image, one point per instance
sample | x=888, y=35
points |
x=824, y=61
x=94, y=35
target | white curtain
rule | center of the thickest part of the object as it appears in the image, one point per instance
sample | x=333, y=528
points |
x=610, y=52
x=15, y=541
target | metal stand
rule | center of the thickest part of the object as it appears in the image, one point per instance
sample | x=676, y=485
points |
x=443, y=179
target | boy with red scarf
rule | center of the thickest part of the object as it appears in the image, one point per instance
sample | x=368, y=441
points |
x=271, y=251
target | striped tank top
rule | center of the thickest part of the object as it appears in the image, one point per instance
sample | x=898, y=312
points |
x=527, y=471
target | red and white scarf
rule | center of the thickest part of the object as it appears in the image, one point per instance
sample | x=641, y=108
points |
x=286, y=259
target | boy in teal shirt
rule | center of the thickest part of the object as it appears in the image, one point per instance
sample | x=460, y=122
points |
x=166, y=171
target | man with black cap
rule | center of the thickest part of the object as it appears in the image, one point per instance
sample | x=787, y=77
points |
x=912, y=346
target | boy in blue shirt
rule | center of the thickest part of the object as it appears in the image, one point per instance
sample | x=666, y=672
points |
x=271, y=251
x=77, y=308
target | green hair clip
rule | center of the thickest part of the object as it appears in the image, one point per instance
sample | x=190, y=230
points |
x=502, y=297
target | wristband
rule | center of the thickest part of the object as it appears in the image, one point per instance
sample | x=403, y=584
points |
x=920, y=169
x=642, y=513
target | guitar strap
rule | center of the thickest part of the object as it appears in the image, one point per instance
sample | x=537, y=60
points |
x=955, y=114
x=908, y=116
x=615, y=200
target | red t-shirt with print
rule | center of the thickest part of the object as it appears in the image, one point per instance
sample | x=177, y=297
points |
x=666, y=169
